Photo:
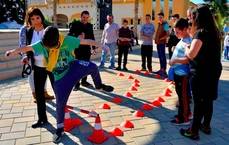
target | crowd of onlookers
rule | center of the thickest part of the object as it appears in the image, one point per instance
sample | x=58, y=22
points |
x=194, y=48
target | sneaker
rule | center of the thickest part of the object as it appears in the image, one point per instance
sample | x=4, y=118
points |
x=111, y=67
x=118, y=68
x=125, y=69
x=58, y=135
x=204, y=129
x=190, y=116
x=76, y=87
x=86, y=84
x=47, y=96
x=188, y=133
x=101, y=66
x=105, y=88
x=176, y=121
x=143, y=69
x=39, y=124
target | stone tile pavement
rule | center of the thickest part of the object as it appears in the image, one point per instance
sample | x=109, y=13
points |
x=18, y=112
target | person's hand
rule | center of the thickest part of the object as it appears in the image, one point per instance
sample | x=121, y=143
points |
x=81, y=36
x=25, y=60
x=9, y=53
x=93, y=51
x=171, y=62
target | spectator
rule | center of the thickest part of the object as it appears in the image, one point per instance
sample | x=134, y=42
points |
x=123, y=45
x=160, y=40
x=147, y=31
x=109, y=38
x=205, y=69
x=226, y=47
x=82, y=27
x=173, y=40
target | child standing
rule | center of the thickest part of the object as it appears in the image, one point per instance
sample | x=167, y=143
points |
x=123, y=45
x=181, y=72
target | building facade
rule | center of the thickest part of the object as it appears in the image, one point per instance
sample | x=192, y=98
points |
x=68, y=10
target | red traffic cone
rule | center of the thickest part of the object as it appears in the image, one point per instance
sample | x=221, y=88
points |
x=130, y=77
x=128, y=94
x=133, y=88
x=156, y=103
x=136, y=85
x=137, y=71
x=146, y=73
x=105, y=106
x=167, y=92
x=98, y=136
x=136, y=81
x=146, y=107
x=160, y=99
x=121, y=74
x=116, y=132
x=127, y=124
x=70, y=123
x=117, y=100
x=138, y=113
x=157, y=76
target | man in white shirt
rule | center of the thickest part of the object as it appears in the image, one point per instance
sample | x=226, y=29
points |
x=109, y=38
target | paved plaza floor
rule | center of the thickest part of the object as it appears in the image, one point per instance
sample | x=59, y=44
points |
x=18, y=112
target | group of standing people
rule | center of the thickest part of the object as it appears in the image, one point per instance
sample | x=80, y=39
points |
x=196, y=61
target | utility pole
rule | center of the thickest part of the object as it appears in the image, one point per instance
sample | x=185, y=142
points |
x=54, y=12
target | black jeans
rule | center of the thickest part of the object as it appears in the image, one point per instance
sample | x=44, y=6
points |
x=204, y=90
x=183, y=92
x=40, y=76
x=122, y=50
x=146, y=53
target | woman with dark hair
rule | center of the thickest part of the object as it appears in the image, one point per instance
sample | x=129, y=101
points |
x=205, y=68
x=29, y=34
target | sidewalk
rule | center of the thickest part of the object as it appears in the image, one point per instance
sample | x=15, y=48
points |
x=18, y=112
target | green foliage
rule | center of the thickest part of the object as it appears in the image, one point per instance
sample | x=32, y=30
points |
x=220, y=10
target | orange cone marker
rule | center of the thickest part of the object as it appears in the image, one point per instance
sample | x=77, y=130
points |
x=116, y=132
x=105, y=106
x=127, y=124
x=121, y=74
x=98, y=136
x=146, y=73
x=136, y=85
x=137, y=71
x=160, y=99
x=133, y=88
x=117, y=100
x=136, y=81
x=156, y=103
x=128, y=94
x=146, y=107
x=139, y=113
x=130, y=77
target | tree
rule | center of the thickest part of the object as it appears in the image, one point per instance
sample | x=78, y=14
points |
x=136, y=5
x=220, y=10
x=12, y=10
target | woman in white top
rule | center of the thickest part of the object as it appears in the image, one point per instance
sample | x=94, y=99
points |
x=29, y=34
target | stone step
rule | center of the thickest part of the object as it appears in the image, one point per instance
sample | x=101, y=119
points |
x=14, y=63
x=10, y=73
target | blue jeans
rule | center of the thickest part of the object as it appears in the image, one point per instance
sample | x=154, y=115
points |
x=63, y=87
x=112, y=47
x=161, y=55
x=226, y=52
